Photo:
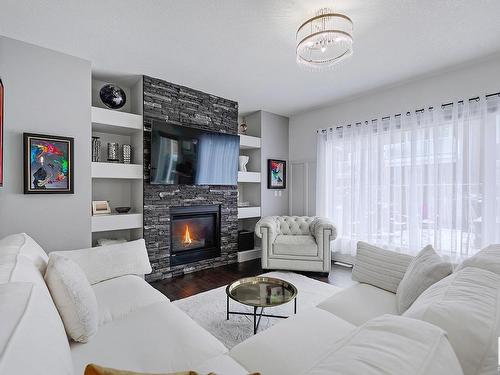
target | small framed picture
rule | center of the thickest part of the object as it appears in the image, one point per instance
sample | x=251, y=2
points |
x=100, y=208
x=48, y=164
x=276, y=174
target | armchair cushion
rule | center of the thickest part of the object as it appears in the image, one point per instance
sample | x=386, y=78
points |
x=295, y=245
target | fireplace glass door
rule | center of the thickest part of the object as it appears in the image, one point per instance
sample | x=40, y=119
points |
x=195, y=233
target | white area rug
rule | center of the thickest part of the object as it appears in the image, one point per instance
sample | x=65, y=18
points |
x=208, y=309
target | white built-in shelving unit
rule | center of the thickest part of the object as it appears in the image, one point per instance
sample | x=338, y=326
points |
x=119, y=184
x=249, y=184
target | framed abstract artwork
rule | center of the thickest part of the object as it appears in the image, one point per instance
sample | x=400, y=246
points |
x=48, y=164
x=276, y=174
x=1, y=132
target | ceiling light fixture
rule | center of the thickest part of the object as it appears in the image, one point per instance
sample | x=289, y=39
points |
x=324, y=40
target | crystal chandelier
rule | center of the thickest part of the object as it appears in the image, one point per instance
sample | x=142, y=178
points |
x=324, y=40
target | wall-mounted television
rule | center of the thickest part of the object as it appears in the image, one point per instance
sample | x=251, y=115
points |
x=183, y=155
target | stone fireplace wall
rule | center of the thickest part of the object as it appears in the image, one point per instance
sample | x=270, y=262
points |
x=183, y=106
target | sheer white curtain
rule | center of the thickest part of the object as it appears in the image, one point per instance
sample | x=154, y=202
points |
x=430, y=177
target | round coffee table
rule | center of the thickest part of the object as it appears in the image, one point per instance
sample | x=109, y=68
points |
x=261, y=292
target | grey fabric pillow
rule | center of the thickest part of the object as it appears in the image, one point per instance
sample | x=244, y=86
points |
x=425, y=269
x=378, y=267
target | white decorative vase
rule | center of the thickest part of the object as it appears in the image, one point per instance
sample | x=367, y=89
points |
x=243, y=163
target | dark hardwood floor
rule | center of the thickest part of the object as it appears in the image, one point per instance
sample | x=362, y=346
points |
x=193, y=283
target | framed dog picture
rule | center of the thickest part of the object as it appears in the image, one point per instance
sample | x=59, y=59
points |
x=48, y=164
x=276, y=174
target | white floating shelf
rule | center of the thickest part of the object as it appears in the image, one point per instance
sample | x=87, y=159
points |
x=248, y=142
x=247, y=212
x=115, y=122
x=117, y=170
x=104, y=223
x=248, y=176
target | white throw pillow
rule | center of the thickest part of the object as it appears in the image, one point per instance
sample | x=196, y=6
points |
x=391, y=345
x=424, y=270
x=465, y=305
x=379, y=267
x=487, y=259
x=73, y=296
x=107, y=262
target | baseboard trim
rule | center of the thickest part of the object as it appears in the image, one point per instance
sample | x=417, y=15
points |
x=247, y=255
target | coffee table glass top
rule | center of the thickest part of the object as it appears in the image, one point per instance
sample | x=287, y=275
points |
x=261, y=291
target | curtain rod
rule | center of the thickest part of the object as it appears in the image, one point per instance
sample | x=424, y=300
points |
x=477, y=98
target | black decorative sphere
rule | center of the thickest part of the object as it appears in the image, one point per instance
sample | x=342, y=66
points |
x=112, y=96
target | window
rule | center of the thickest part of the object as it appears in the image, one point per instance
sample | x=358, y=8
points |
x=431, y=177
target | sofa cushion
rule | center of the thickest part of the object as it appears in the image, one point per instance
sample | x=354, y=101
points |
x=106, y=262
x=379, y=267
x=291, y=346
x=32, y=336
x=118, y=297
x=295, y=245
x=424, y=270
x=24, y=270
x=360, y=303
x=20, y=245
x=487, y=259
x=74, y=298
x=155, y=338
x=390, y=345
x=465, y=305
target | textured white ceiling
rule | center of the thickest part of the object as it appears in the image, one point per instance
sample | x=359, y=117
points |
x=245, y=49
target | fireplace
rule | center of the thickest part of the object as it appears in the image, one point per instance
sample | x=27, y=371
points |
x=194, y=233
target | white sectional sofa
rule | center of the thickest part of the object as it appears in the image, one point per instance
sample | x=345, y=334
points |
x=356, y=331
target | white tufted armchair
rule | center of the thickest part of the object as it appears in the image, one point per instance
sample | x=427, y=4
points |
x=299, y=243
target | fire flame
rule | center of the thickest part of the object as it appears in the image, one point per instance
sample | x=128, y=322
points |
x=187, y=236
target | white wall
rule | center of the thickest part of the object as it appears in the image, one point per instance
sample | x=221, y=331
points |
x=455, y=84
x=274, y=133
x=45, y=92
